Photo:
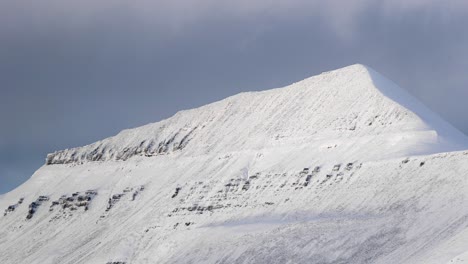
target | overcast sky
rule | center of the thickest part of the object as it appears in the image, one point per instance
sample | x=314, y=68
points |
x=74, y=72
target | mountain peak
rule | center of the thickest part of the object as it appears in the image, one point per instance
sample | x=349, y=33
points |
x=356, y=69
x=263, y=177
x=351, y=109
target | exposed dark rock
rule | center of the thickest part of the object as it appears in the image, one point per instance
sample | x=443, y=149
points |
x=137, y=191
x=76, y=201
x=246, y=186
x=337, y=167
x=117, y=197
x=102, y=151
x=177, y=190
x=12, y=208
x=43, y=198
x=307, y=180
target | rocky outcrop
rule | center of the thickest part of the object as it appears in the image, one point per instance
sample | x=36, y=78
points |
x=107, y=150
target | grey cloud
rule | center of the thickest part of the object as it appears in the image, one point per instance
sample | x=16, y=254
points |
x=174, y=16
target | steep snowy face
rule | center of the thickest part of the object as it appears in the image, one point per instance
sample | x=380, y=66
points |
x=353, y=111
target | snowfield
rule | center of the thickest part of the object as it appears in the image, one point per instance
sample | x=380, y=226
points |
x=343, y=167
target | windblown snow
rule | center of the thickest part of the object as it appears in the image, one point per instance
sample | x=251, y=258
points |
x=343, y=167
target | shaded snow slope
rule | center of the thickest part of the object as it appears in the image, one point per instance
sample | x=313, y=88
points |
x=338, y=168
x=349, y=110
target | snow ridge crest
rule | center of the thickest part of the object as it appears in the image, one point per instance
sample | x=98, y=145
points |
x=354, y=108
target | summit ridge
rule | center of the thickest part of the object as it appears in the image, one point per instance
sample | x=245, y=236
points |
x=354, y=106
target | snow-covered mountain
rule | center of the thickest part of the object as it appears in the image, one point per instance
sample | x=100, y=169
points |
x=343, y=167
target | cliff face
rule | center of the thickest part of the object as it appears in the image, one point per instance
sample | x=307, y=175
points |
x=322, y=171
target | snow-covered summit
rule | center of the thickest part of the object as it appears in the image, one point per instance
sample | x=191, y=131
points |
x=341, y=112
x=299, y=174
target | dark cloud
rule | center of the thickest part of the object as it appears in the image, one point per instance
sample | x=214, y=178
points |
x=73, y=74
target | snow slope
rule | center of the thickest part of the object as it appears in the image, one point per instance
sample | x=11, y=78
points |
x=343, y=167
